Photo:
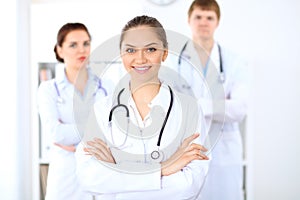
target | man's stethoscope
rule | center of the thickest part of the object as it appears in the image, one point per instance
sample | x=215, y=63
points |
x=221, y=75
x=156, y=154
x=60, y=100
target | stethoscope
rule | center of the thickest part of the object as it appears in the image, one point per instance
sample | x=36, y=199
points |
x=221, y=75
x=60, y=100
x=156, y=154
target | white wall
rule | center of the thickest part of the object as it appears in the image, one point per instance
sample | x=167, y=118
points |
x=265, y=32
x=47, y=18
x=15, y=151
x=272, y=43
x=8, y=150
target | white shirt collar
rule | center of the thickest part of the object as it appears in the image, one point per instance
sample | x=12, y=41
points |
x=162, y=99
x=63, y=82
x=61, y=78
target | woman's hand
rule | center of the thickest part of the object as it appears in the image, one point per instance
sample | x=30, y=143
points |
x=185, y=154
x=70, y=148
x=100, y=150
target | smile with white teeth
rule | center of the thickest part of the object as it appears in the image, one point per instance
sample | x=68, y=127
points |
x=142, y=68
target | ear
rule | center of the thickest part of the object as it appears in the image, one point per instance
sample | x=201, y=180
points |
x=188, y=21
x=165, y=55
x=59, y=51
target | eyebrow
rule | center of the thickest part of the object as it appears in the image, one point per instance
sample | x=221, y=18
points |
x=147, y=45
x=201, y=15
x=79, y=41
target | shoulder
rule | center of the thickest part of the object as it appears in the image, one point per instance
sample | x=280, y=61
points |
x=171, y=61
x=104, y=83
x=188, y=104
x=46, y=91
x=47, y=86
x=184, y=98
x=104, y=102
x=232, y=60
x=191, y=113
x=230, y=54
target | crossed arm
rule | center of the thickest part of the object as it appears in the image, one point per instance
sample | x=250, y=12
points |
x=186, y=153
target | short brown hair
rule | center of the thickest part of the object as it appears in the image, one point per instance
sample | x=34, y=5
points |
x=205, y=5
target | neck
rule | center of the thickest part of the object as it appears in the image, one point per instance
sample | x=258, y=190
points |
x=203, y=48
x=137, y=85
x=204, y=44
x=145, y=92
x=143, y=95
x=71, y=74
x=77, y=77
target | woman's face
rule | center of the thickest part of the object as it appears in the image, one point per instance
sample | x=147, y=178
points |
x=142, y=53
x=203, y=23
x=75, y=48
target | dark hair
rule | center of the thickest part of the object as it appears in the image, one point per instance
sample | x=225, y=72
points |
x=63, y=32
x=205, y=5
x=146, y=21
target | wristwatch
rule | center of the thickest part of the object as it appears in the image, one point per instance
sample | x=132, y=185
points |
x=161, y=2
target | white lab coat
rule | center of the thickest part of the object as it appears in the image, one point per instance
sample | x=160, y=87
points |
x=64, y=122
x=225, y=176
x=136, y=176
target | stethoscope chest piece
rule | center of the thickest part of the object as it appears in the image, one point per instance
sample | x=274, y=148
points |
x=157, y=155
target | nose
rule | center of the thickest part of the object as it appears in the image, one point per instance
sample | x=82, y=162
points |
x=140, y=57
x=82, y=48
x=203, y=22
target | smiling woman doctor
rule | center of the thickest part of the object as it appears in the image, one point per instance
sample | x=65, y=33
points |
x=218, y=65
x=145, y=163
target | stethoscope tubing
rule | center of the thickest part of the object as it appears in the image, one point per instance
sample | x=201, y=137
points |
x=156, y=153
x=99, y=87
x=221, y=76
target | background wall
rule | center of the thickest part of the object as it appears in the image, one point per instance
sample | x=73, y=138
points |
x=8, y=115
x=266, y=33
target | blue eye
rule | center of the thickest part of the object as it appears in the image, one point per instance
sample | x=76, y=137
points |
x=151, y=49
x=86, y=44
x=130, y=50
x=73, y=45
